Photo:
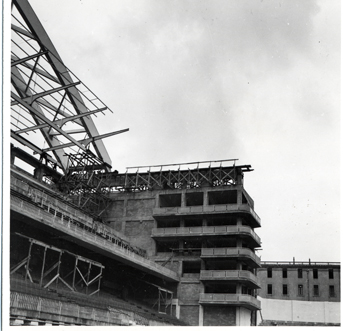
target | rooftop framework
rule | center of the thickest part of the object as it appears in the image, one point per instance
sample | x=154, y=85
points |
x=51, y=109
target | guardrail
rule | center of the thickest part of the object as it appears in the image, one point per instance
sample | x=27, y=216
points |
x=73, y=229
x=224, y=298
x=304, y=263
x=240, y=252
x=228, y=275
x=206, y=230
x=207, y=209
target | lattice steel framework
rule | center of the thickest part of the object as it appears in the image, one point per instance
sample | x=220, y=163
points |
x=226, y=174
x=51, y=109
x=85, y=272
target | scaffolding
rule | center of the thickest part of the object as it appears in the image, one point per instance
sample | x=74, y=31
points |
x=85, y=272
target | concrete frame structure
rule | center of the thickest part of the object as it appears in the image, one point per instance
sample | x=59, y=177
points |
x=170, y=247
x=204, y=231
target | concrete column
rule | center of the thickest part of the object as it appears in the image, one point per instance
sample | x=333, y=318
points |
x=239, y=221
x=201, y=315
x=205, y=198
x=239, y=179
x=202, y=265
x=157, y=201
x=38, y=173
x=239, y=197
x=177, y=308
x=238, y=316
x=239, y=242
x=183, y=199
x=204, y=222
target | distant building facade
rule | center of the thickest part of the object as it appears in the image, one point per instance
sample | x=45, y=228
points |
x=306, y=281
x=300, y=292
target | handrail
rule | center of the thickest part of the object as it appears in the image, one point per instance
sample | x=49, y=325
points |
x=229, y=298
x=209, y=208
x=211, y=230
x=309, y=263
x=229, y=251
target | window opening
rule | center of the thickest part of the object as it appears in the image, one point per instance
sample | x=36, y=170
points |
x=315, y=290
x=284, y=289
x=270, y=289
x=284, y=273
x=269, y=272
x=331, y=291
x=300, y=273
x=315, y=273
x=300, y=290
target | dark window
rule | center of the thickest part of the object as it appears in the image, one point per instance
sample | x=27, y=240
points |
x=270, y=289
x=315, y=273
x=300, y=290
x=170, y=200
x=269, y=272
x=300, y=273
x=331, y=291
x=315, y=290
x=330, y=273
x=284, y=290
x=284, y=273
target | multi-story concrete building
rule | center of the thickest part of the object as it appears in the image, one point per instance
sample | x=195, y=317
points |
x=199, y=223
x=300, y=292
x=91, y=246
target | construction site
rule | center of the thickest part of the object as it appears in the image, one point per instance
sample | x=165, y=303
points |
x=170, y=245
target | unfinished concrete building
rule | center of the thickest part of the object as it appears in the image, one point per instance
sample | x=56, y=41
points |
x=162, y=245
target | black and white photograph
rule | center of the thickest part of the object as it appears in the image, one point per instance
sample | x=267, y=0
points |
x=171, y=163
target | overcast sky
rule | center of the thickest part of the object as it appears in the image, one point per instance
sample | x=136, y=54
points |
x=257, y=80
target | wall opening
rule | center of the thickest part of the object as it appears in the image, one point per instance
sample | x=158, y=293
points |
x=170, y=200
x=221, y=242
x=221, y=288
x=166, y=246
x=222, y=197
x=284, y=273
x=191, y=267
x=194, y=199
x=218, y=221
x=192, y=222
x=169, y=223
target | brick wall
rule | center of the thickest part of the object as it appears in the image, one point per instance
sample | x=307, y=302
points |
x=219, y=316
x=190, y=314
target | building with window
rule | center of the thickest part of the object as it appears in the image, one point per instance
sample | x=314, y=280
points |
x=300, y=292
x=157, y=245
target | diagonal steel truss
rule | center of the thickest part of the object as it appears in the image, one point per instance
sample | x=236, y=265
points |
x=82, y=278
x=51, y=109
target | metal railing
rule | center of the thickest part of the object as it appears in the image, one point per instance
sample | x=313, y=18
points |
x=240, y=252
x=74, y=230
x=206, y=230
x=224, y=298
x=207, y=209
x=303, y=263
x=228, y=275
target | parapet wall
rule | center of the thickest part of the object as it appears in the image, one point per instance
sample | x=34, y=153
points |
x=299, y=311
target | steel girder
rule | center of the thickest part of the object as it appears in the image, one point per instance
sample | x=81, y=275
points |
x=46, y=98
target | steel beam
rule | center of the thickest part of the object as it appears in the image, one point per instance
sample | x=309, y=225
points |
x=60, y=122
x=61, y=71
x=87, y=141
